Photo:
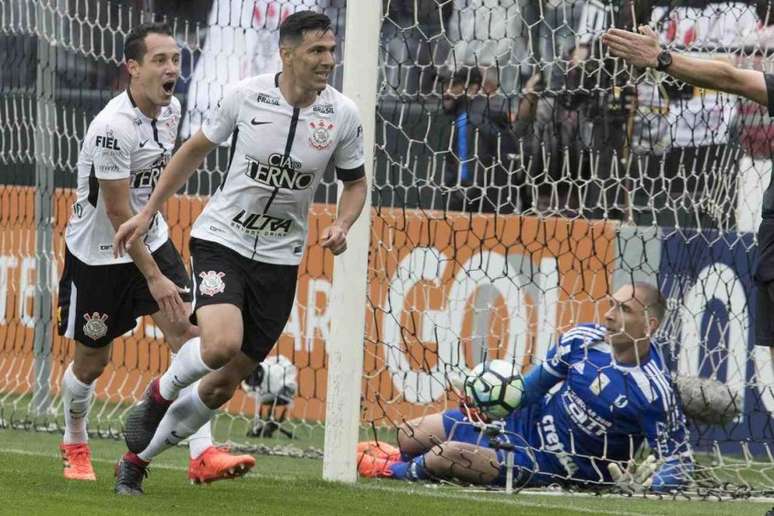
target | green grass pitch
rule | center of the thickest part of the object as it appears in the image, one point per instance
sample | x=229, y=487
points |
x=31, y=482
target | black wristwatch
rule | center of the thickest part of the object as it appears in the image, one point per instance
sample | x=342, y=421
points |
x=664, y=59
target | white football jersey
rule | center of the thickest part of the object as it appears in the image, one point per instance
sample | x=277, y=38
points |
x=278, y=156
x=121, y=143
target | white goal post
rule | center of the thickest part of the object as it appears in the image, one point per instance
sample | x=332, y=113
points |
x=350, y=270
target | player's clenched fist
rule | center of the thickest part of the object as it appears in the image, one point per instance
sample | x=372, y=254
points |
x=134, y=228
x=334, y=237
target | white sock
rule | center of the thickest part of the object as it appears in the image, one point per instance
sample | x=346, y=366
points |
x=76, y=398
x=201, y=440
x=187, y=366
x=184, y=417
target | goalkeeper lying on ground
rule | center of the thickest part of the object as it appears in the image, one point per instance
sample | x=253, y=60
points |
x=616, y=392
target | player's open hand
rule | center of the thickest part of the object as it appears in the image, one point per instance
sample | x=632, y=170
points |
x=334, y=237
x=638, y=49
x=167, y=296
x=632, y=476
x=134, y=228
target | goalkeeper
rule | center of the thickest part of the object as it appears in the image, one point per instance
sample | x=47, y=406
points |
x=616, y=392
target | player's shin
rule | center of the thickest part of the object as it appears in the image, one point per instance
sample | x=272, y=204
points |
x=186, y=368
x=76, y=398
x=184, y=417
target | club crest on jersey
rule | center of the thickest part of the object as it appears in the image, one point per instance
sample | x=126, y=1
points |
x=320, y=136
x=95, y=326
x=212, y=283
x=172, y=121
x=599, y=383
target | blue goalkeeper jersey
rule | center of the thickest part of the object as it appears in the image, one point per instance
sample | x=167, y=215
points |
x=601, y=412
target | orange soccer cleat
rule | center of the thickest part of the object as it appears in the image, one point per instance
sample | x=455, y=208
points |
x=216, y=463
x=374, y=467
x=379, y=449
x=77, y=461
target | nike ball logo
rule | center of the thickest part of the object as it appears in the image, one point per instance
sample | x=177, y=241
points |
x=142, y=144
x=256, y=122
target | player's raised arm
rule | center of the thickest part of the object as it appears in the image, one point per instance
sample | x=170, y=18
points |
x=185, y=161
x=644, y=50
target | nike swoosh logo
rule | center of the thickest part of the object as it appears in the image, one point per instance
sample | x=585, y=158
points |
x=143, y=143
x=255, y=122
x=174, y=436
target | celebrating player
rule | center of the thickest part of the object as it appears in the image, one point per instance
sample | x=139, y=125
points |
x=249, y=240
x=124, y=151
x=616, y=392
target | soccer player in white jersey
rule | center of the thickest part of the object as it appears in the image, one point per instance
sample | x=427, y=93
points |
x=247, y=243
x=124, y=151
x=615, y=393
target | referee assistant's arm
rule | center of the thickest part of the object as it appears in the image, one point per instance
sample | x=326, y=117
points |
x=184, y=162
x=643, y=50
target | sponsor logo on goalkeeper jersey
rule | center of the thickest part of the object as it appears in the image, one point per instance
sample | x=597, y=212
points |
x=551, y=443
x=587, y=419
x=280, y=172
x=211, y=283
x=261, y=224
x=95, y=327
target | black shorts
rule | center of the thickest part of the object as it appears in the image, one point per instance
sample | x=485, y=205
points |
x=98, y=303
x=264, y=292
x=764, y=280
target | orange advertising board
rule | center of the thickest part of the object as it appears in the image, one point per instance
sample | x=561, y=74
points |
x=444, y=291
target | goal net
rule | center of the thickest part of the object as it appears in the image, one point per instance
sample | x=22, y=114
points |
x=520, y=176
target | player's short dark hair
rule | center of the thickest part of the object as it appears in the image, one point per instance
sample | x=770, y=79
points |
x=134, y=44
x=467, y=76
x=293, y=28
x=650, y=296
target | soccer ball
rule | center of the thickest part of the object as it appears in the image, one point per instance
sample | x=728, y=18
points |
x=495, y=387
x=273, y=381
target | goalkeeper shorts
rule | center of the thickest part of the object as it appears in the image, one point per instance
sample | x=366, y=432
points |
x=459, y=429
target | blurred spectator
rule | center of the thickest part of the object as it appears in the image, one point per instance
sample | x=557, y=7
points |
x=413, y=44
x=484, y=170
